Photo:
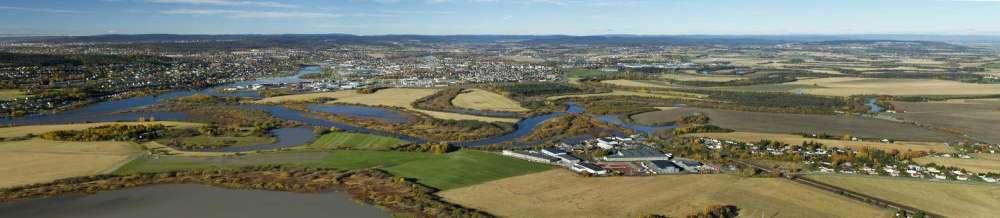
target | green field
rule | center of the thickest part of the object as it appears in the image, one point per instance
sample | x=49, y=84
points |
x=453, y=170
x=447, y=171
x=359, y=141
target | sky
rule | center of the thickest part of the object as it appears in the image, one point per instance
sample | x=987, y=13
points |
x=521, y=17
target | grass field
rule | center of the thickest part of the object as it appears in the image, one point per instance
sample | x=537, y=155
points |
x=360, y=141
x=395, y=97
x=786, y=87
x=17, y=131
x=453, y=170
x=976, y=118
x=948, y=199
x=797, y=139
x=975, y=165
x=847, y=86
x=7, y=94
x=800, y=123
x=485, y=100
x=560, y=193
x=36, y=160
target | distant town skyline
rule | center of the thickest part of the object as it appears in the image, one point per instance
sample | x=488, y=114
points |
x=509, y=17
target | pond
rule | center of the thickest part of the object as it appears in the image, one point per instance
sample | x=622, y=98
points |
x=189, y=200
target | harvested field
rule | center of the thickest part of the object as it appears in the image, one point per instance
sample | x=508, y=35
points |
x=797, y=139
x=707, y=78
x=977, y=118
x=975, y=165
x=560, y=193
x=847, y=86
x=7, y=94
x=633, y=83
x=653, y=94
x=948, y=199
x=395, y=97
x=479, y=99
x=800, y=123
x=18, y=131
x=36, y=160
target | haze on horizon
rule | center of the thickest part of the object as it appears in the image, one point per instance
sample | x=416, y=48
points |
x=520, y=17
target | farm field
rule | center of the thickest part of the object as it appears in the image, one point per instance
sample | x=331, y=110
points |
x=978, y=118
x=360, y=141
x=394, y=97
x=948, y=199
x=36, y=160
x=692, y=77
x=485, y=100
x=560, y=193
x=976, y=165
x=17, y=131
x=799, y=123
x=785, y=87
x=653, y=94
x=797, y=139
x=452, y=170
x=847, y=86
x=7, y=94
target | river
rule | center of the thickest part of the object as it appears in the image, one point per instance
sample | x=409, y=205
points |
x=125, y=110
x=189, y=200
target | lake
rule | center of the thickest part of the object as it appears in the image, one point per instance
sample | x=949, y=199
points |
x=189, y=200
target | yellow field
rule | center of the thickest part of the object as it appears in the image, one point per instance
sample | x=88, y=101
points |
x=485, y=100
x=560, y=193
x=797, y=139
x=975, y=165
x=656, y=94
x=633, y=83
x=17, y=131
x=6, y=94
x=860, y=86
x=948, y=199
x=395, y=97
x=691, y=77
x=36, y=160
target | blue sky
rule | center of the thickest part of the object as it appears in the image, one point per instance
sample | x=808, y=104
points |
x=576, y=17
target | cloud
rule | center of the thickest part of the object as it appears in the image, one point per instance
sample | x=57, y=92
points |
x=269, y=4
x=248, y=14
x=42, y=10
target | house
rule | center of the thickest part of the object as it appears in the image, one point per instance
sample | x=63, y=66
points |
x=663, y=167
x=589, y=168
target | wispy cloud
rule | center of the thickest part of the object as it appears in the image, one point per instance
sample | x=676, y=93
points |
x=270, y=4
x=248, y=14
x=42, y=10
